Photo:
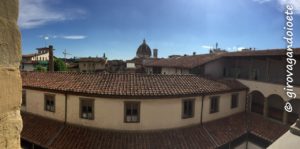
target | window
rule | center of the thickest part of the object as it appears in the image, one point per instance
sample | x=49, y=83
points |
x=23, y=98
x=234, y=100
x=87, y=109
x=49, y=102
x=132, y=112
x=188, y=106
x=214, y=104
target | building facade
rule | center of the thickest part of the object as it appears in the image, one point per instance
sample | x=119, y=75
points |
x=147, y=114
x=92, y=64
x=30, y=61
x=227, y=96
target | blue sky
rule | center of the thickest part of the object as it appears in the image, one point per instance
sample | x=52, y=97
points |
x=118, y=27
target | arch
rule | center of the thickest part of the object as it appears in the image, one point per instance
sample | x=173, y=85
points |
x=275, y=107
x=292, y=117
x=257, y=102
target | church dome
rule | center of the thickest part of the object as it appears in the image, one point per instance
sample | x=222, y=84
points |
x=143, y=51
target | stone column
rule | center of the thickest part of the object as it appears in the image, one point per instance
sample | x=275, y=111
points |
x=266, y=107
x=285, y=117
x=10, y=80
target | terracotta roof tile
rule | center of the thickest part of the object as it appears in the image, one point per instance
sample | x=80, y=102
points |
x=230, y=128
x=32, y=55
x=268, y=52
x=128, y=85
x=77, y=137
x=265, y=128
x=39, y=130
x=189, y=62
x=42, y=132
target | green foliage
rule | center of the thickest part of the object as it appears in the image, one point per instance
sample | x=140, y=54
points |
x=59, y=65
x=40, y=68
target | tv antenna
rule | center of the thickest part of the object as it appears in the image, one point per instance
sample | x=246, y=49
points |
x=65, y=55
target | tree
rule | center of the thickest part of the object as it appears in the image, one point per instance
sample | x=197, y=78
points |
x=40, y=68
x=59, y=65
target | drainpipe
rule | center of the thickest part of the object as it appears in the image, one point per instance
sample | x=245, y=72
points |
x=66, y=107
x=248, y=107
x=209, y=135
x=202, y=109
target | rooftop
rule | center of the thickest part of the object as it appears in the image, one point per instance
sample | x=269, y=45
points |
x=127, y=85
x=56, y=135
x=192, y=61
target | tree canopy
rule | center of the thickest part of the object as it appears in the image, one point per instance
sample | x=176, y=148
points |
x=59, y=65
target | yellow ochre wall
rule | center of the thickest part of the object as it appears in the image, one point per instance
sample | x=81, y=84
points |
x=154, y=113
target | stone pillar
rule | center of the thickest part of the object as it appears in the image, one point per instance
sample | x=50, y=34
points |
x=266, y=107
x=285, y=117
x=10, y=80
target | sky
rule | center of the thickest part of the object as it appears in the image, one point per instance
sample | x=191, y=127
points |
x=118, y=27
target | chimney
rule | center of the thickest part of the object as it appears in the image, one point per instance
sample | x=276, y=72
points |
x=51, y=59
x=155, y=53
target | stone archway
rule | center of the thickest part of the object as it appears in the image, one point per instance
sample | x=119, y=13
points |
x=292, y=117
x=257, y=102
x=275, y=107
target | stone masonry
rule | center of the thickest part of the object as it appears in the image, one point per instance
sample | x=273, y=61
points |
x=10, y=80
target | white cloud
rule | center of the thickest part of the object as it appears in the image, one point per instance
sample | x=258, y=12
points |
x=69, y=37
x=261, y=1
x=236, y=48
x=240, y=48
x=34, y=13
x=206, y=47
x=282, y=4
x=74, y=37
x=295, y=3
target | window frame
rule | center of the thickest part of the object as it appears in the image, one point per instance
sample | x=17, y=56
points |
x=237, y=100
x=52, y=99
x=81, y=100
x=211, y=111
x=192, y=100
x=138, y=111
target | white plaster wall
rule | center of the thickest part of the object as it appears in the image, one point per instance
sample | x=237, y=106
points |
x=28, y=67
x=43, y=57
x=214, y=68
x=91, y=66
x=35, y=104
x=268, y=89
x=130, y=65
x=224, y=106
x=250, y=146
x=172, y=71
x=154, y=114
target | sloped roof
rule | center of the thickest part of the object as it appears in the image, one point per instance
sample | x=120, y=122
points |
x=56, y=135
x=32, y=55
x=39, y=130
x=184, y=61
x=128, y=85
x=189, y=62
